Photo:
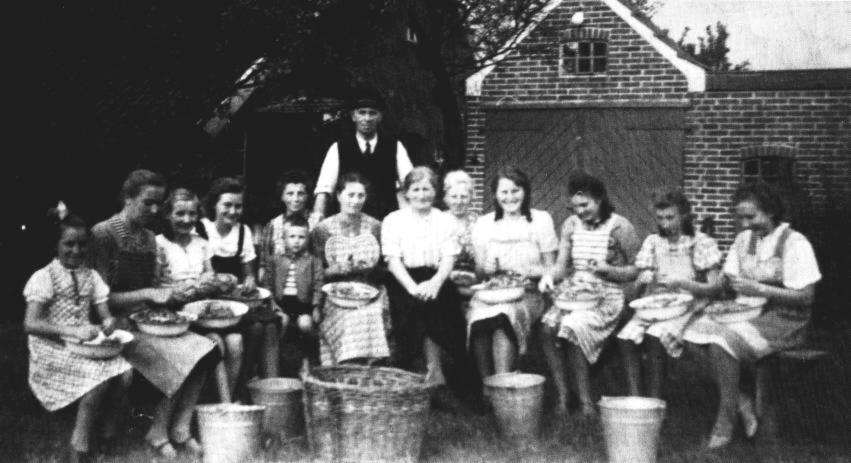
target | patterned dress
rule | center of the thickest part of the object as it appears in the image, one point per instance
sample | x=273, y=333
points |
x=58, y=377
x=589, y=329
x=689, y=257
x=347, y=333
x=783, y=258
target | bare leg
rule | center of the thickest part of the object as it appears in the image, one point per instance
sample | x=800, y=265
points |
x=220, y=371
x=631, y=358
x=434, y=366
x=186, y=398
x=555, y=361
x=504, y=352
x=482, y=348
x=233, y=358
x=157, y=436
x=271, y=351
x=727, y=376
x=580, y=373
x=86, y=412
x=655, y=366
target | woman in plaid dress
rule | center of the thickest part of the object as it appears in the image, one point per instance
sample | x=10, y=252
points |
x=59, y=299
x=597, y=246
x=349, y=244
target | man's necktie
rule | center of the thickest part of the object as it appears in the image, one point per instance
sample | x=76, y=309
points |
x=368, y=150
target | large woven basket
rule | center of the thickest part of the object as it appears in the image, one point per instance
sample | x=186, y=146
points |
x=356, y=413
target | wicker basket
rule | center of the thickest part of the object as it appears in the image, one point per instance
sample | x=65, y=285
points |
x=356, y=413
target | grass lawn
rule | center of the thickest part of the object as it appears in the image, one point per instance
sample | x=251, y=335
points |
x=815, y=419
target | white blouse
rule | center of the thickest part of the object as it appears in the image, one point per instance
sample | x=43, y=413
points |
x=421, y=241
x=177, y=263
x=800, y=268
x=226, y=246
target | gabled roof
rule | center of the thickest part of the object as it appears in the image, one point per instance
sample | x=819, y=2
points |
x=694, y=73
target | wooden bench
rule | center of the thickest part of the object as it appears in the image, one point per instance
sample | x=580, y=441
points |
x=774, y=375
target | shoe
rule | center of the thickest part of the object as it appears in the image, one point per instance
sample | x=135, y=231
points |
x=748, y=416
x=162, y=448
x=717, y=441
x=190, y=446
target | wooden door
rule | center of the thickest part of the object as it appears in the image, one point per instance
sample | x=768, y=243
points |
x=633, y=150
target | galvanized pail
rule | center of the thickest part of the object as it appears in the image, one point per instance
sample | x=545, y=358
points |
x=631, y=428
x=284, y=415
x=230, y=433
x=517, y=400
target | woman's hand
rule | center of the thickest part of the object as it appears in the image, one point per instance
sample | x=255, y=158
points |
x=108, y=325
x=645, y=277
x=159, y=296
x=85, y=332
x=250, y=284
x=427, y=290
x=745, y=286
x=671, y=282
x=546, y=284
x=317, y=316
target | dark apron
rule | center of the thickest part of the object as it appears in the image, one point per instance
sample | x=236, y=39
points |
x=164, y=361
x=412, y=320
x=232, y=265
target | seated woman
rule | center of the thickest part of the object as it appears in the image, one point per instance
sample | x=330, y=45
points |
x=125, y=253
x=598, y=247
x=420, y=252
x=676, y=259
x=60, y=298
x=767, y=259
x=182, y=258
x=348, y=243
x=513, y=238
x=458, y=197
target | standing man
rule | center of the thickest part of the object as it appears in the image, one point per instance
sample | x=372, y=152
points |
x=376, y=155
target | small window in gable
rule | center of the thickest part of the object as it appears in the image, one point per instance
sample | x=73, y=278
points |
x=770, y=164
x=584, y=51
x=410, y=35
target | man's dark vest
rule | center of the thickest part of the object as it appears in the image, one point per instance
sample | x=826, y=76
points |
x=379, y=168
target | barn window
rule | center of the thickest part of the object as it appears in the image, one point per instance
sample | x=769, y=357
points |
x=584, y=50
x=771, y=164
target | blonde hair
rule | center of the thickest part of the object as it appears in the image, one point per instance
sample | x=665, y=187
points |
x=457, y=178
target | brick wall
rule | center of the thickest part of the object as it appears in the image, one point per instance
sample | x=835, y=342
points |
x=636, y=72
x=812, y=126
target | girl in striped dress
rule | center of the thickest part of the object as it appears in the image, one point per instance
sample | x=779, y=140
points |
x=59, y=299
x=596, y=246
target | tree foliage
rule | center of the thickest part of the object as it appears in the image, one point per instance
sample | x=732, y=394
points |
x=711, y=50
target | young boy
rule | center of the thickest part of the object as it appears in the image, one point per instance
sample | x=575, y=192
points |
x=296, y=277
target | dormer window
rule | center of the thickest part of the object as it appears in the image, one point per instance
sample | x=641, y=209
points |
x=584, y=50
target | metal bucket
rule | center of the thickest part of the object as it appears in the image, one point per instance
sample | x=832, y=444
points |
x=284, y=415
x=230, y=433
x=517, y=400
x=631, y=428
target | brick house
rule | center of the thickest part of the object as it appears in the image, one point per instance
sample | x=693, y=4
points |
x=608, y=92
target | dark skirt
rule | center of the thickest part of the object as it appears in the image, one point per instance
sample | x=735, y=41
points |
x=413, y=320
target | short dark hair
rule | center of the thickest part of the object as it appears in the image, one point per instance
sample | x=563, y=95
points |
x=520, y=179
x=293, y=177
x=352, y=177
x=582, y=182
x=663, y=199
x=139, y=179
x=219, y=187
x=296, y=220
x=764, y=196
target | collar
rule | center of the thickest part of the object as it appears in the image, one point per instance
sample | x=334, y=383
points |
x=294, y=255
x=597, y=223
x=373, y=142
